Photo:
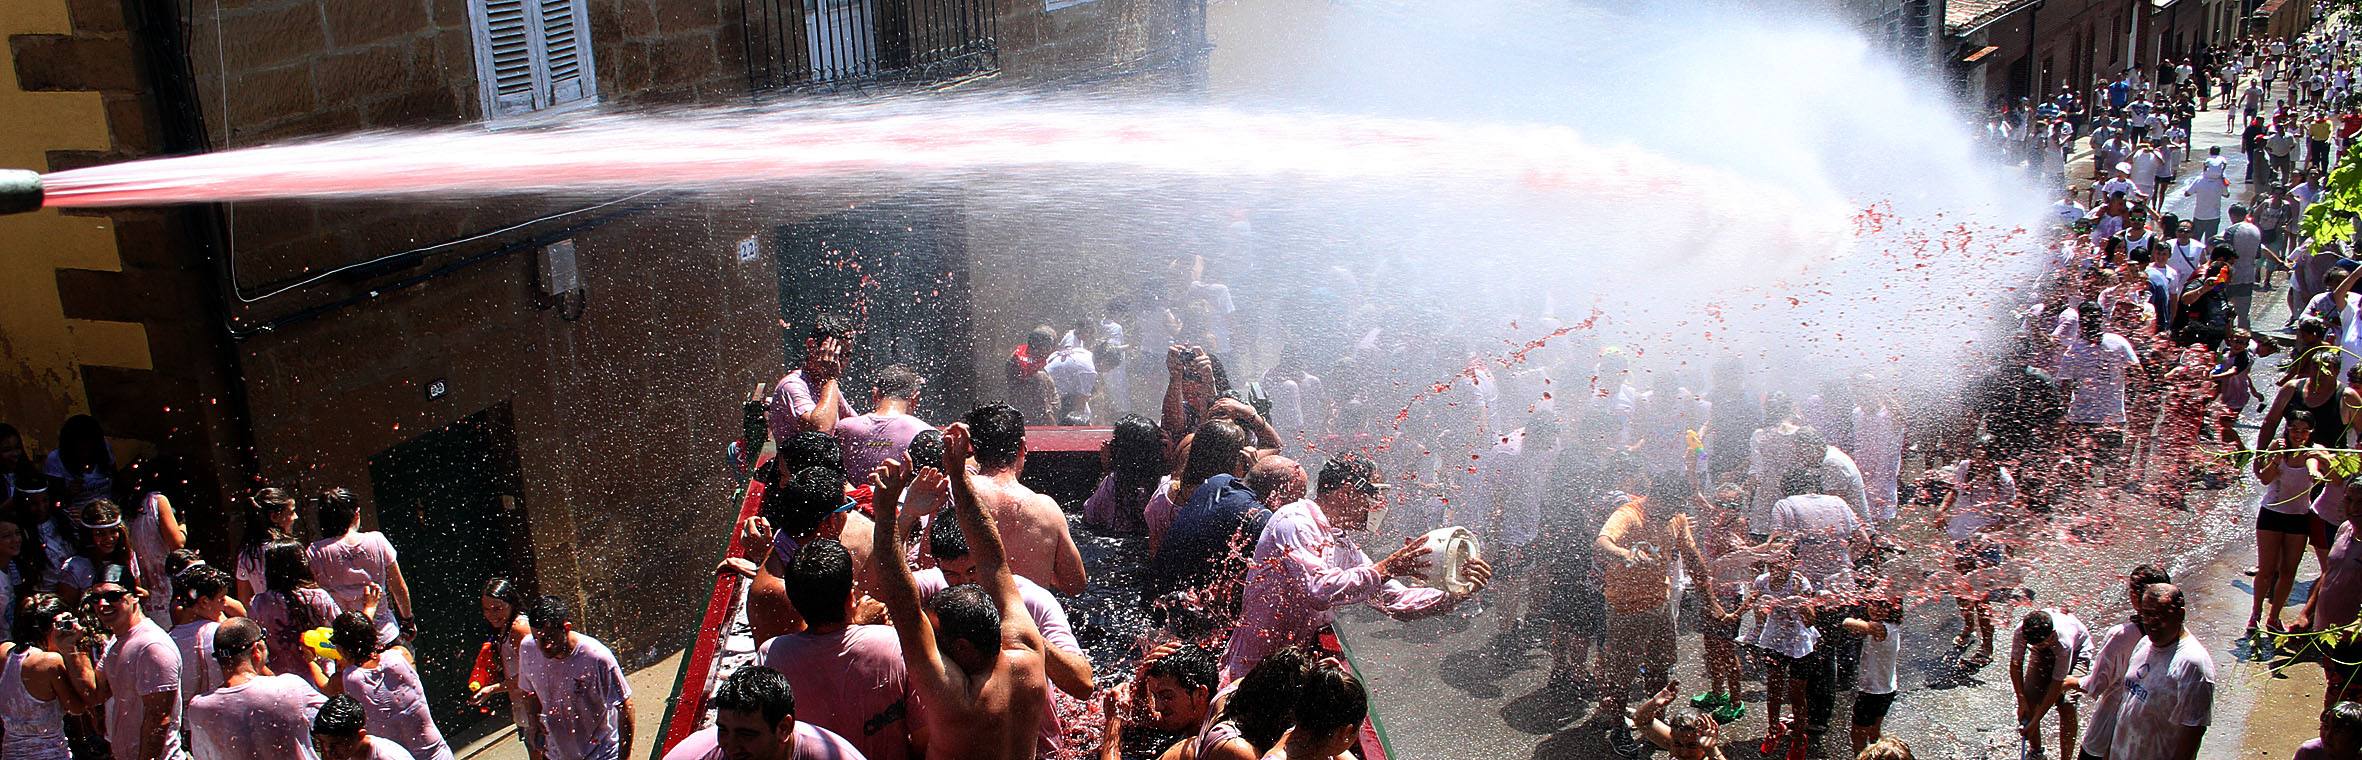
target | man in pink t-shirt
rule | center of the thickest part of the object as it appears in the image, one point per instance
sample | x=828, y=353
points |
x=576, y=688
x=808, y=398
x=755, y=719
x=883, y=434
x=852, y=677
x=350, y=559
x=140, y=677
x=252, y=714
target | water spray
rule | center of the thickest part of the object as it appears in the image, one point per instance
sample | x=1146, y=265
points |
x=20, y=191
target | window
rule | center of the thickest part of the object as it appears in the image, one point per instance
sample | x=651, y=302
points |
x=532, y=55
x=841, y=43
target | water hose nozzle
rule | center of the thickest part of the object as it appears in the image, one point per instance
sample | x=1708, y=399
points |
x=20, y=191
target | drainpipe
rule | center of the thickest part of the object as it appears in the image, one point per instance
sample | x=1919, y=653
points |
x=163, y=59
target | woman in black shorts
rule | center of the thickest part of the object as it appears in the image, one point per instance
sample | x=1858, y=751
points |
x=2284, y=516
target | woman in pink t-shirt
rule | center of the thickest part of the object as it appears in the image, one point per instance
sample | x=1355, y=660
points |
x=393, y=701
x=290, y=604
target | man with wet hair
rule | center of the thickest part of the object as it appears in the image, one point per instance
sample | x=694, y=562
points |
x=851, y=675
x=807, y=506
x=573, y=684
x=2168, y=685
x=253, y=713
x=1041, y=547
x=1305, y=568
x=885, y=432
x=755, y=718
x=2043, y=654
x=1174, y=695
x=973, y=654
x=808, y=398
x=1069, y=666
x=339, y=733
x=2341, y=734
x=2104, y=685
x=139, y=679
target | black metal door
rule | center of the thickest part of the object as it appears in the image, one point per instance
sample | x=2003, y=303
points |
x=447, y=500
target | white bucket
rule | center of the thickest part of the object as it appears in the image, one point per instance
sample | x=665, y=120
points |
x=1448, y=552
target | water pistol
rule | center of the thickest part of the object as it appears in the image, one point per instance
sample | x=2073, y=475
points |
x=317, y=640
x=487, y=670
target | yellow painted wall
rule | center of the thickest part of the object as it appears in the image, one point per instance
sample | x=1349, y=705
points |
x=41, y=352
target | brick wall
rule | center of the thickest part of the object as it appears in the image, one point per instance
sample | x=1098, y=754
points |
x=164, y=388
x=619, y=414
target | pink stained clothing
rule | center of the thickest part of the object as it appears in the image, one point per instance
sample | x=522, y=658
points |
x=381, y=749
x=792, y=398
x=314, y=609
x=870, y=439
x=347, y=564
x=1158, y=513
x=1116, y=512
x=141, y=662
x=35, y=727
x=393, y=703
x=2165, y=688
x=2338, y=594
x=1049, y=616
x=1303, y=570
x=812, y=743
x=2104, y=686
x=851, y=682
x=2074, y=642
x=267, y=716
x=249, y=570
x=580, y=694
x=145, y=532
x=2330, y=506
x=199, y=672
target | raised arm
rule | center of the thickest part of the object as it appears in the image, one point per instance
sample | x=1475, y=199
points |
x=894, y=585
x=984, y=540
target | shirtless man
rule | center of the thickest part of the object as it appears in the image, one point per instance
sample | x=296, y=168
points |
x=1040, y=547
x=806, y=506
x=982, y=680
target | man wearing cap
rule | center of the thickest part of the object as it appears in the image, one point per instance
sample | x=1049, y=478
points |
x=253, y=713
x=139, y=678
x=1305, y=568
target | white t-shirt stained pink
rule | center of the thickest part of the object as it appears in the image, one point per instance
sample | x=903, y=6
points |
x=347, y=564
x=142, y=662
x=2165, y=688
x=267, y=716
x=579, y=695
x=852, y=682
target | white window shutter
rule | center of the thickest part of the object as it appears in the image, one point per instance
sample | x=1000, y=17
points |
x=567, y=69
x=507, y=50
x=532, y=55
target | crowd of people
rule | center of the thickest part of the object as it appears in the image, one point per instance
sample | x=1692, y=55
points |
x=909, y=591
x=124, y=642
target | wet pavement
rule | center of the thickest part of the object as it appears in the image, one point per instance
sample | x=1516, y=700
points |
x=1458, y=688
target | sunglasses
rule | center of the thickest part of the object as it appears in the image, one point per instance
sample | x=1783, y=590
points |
x=108, y=596
x=849, y=506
